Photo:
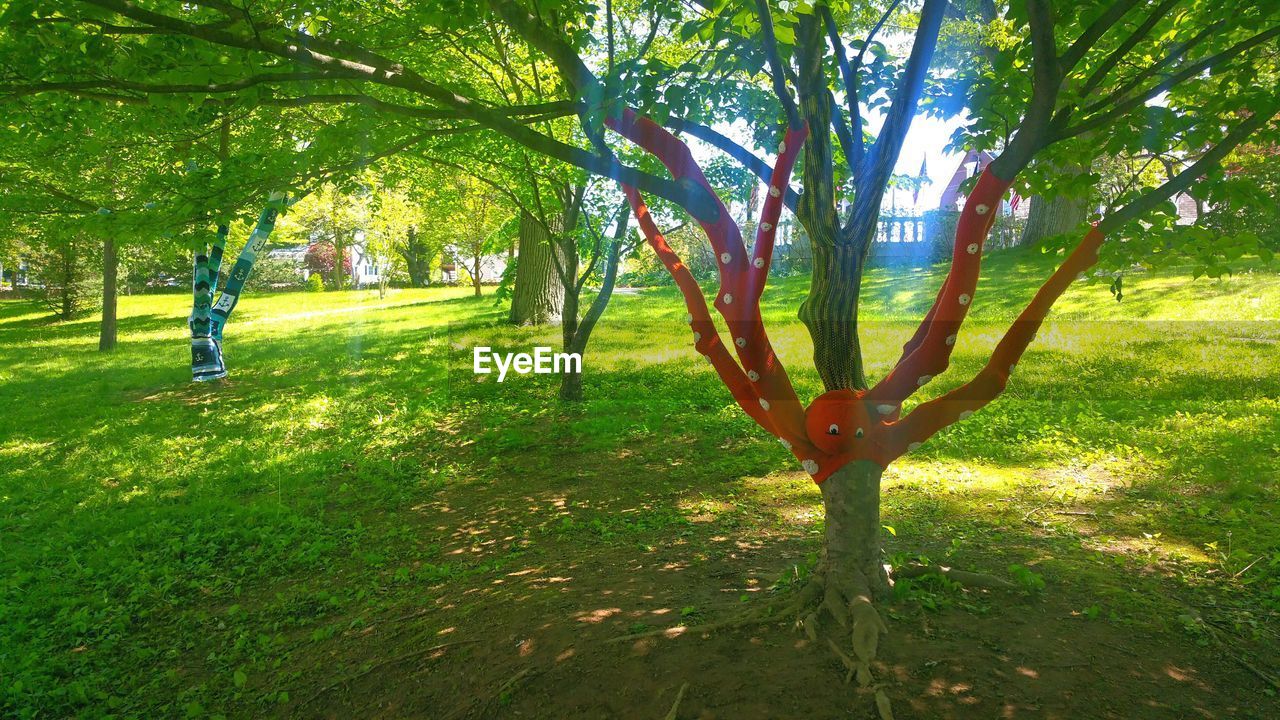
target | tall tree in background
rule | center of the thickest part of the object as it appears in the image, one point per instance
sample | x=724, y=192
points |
x=538, y=292
x=1054, y=211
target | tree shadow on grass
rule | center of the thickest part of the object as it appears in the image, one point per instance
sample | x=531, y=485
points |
x=592, y=545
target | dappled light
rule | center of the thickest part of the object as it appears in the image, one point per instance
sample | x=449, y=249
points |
x=665, y=359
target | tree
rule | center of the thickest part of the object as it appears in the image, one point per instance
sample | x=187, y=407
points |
x=329, y=221
x=70, y=285
x=1105, y=77
x=538, y=293
x=417, y=255
x=477, y=233
x=321, y=259
x=1052, y=215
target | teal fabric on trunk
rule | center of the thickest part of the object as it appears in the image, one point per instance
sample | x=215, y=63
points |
x=209, y=318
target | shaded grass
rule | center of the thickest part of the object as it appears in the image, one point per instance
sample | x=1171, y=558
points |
x=171, y=549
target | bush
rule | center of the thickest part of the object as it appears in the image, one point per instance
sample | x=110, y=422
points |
x=315, y=283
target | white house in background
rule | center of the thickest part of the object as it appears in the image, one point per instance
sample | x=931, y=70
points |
x=364, y=269
x=457, y=266
x=296, y=255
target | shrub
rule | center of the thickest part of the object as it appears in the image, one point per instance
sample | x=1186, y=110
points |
x=315, y=283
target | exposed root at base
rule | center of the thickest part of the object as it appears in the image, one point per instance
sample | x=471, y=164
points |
x=845, y=607
x=675, y=706
x=963, y=577
x=378, y=666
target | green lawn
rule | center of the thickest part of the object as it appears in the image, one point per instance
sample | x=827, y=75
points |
x=168, y=549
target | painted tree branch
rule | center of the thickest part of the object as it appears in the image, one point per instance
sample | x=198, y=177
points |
x=760, y=384
x=934, y=415
x=744, y=156
x=929, y=353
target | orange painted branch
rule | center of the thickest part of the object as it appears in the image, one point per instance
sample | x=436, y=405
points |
x=932, y=416
x=928, y=353
x=706, y=338
x=761, y=385
x=767, y=229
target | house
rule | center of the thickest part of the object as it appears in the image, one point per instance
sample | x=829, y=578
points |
x=364, y=267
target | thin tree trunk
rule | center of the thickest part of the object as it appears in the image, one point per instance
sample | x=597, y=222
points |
x=339, y=265
x=476, y=269
x=110, y=274
x=852, y=571
x=570, y=382
x=538, y=293
x=68, y=309
x=416, y=262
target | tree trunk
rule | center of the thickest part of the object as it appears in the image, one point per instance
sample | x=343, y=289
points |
x=851, y=499
x=852, y=570
x=110, y=273
x=476, y=269
x=1051, y=216
x=538, y=293
x=570, y=382
x=571, y=386
x=67, y=310
x=415, y=259
x=339, y=265
x=830, y=312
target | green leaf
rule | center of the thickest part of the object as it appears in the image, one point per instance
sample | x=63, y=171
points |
x=239, y=678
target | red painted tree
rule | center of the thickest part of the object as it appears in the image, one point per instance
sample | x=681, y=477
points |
x=853, y=435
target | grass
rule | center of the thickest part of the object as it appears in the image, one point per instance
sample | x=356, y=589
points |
x=168, y=549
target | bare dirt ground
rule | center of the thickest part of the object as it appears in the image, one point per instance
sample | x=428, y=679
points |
x=532, y=641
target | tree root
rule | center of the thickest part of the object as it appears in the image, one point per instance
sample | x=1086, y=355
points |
x=507, y=686
x=846, y=599
x=774, y=612
x=757, y=618
x=378, y=666
x=675, y=706
x=963, y=577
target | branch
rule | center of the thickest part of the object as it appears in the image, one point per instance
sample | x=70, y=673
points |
x=884, y=152
x=744, y=156
x=1185, y=179
x=1185, y=73
x=601, y=299
x=324, y=54
x=760, y=386
x=1032, y=132
x=210, y=88
x=853, y=146
x=1094, y=32
x=857, y=61
x=930, y=417
x=1176, y=52
x=1135, y=37
x=878, y=164
x=770, y=44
